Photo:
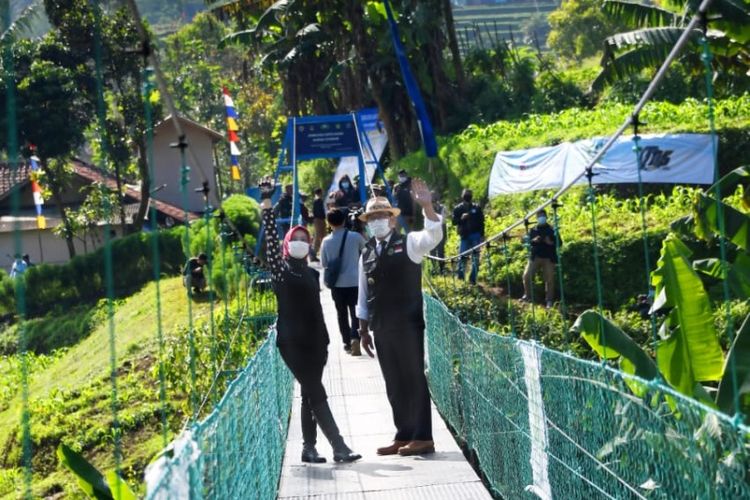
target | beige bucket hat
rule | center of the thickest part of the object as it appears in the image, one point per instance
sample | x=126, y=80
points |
x=378, y=204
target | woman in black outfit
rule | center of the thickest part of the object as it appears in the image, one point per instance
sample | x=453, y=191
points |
x=302, y=337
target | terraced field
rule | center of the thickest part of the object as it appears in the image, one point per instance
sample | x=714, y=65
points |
x=487, y=25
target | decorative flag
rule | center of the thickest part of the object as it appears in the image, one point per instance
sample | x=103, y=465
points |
x=36, y=190
x=232, y=129
x=425, y=126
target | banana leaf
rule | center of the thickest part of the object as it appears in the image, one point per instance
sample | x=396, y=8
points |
x=738, y=361
x=611, y=342
x=738, y=273
x=638, y=15
x=690, y=351
x=90, y=480
x=727, y=184
x=736, y=223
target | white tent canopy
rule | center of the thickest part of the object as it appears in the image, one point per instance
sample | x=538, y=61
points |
x=665, y=158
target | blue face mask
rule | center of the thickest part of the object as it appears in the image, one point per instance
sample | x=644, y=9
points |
x=345, y=185
x=541, y=220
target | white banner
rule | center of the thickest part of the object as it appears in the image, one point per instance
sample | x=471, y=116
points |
x=665, y=158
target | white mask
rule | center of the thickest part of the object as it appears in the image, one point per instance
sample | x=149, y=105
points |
x=379, y=227
x=299, y=249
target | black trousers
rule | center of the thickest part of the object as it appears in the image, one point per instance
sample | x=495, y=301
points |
x=345, y=300
x=401, y=357
x=307, y=364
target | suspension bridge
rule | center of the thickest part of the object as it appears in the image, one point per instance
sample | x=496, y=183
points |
x=532, y=421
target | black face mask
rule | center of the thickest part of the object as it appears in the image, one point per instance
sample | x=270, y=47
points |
x=467, y=199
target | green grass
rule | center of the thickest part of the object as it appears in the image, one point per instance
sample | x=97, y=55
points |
x=70, y=397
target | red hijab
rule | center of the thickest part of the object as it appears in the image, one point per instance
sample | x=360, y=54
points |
x=288, y=238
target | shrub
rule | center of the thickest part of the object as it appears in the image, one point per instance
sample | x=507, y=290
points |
x=82, y=280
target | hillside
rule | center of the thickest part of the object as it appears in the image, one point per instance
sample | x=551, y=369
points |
x=70, y=397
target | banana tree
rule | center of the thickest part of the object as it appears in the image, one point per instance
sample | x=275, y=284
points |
x=655, y=30
x=21, y=18
x=688, y=352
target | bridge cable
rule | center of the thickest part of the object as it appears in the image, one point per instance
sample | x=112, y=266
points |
x=9, y=76
x=563, y=307
x=707, y=57
x=643, y=207
x=108, y=268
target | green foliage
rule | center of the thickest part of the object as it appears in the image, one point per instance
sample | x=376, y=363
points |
x=655, y=29
x=79, y=414
x=92, y=482
x=467, y=157
x=227, y=243
x=51, y=288
x=609, y=342
x=579, y=28
x=736, y=369
x=57, y=329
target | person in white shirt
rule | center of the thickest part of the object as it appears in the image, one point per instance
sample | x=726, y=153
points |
x=19, y=267
x=390, y=304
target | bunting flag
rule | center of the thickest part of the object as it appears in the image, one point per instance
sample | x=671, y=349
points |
x=425, y=126
x=232, y=129
x=36, y=191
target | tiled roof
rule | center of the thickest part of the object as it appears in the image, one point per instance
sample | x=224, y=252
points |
x=9, y=178
x=20, y=177
x=95, y=175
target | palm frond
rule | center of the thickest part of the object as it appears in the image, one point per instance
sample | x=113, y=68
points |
x=22, y=22
x=654, y=37
x=638, y=15
x=632, y=62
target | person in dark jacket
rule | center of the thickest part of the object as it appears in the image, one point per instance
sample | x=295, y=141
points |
x=302, y=337
x=468, y=218
x=543, y=256
x=389, y=303
x=346, y=195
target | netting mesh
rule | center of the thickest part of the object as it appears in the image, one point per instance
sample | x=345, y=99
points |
x=546, y=423
x=237, y=451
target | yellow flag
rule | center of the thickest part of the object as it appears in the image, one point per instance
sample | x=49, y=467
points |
x=235, y=173
x=41, y=223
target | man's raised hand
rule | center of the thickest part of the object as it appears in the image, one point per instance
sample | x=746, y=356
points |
x=421, y=193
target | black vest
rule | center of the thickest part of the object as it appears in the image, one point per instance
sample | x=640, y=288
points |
x=300, y=320
x=394, y=286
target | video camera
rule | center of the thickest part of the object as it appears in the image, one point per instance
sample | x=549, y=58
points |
x=352, y=219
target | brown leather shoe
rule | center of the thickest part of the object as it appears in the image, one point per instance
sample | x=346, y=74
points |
x=392, y=449
x=417, y=448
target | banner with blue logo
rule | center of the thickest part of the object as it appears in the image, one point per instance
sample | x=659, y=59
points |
x=665, y=158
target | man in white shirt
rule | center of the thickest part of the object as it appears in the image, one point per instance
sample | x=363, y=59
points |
x=390, y=304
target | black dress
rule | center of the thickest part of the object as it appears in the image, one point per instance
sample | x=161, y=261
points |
x=302, y=337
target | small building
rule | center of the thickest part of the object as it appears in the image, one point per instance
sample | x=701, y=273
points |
x=199, y=156
x=43, y=245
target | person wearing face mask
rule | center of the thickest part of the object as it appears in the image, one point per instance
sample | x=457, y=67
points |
x=468, y=218
x=302, y=337
x=543, y=256
x=346, y=194
x=390, y=304
x=404, y=202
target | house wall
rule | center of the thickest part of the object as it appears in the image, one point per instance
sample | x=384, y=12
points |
x=167, y=166
x=45, y=246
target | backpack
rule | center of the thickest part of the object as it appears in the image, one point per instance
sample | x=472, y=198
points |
x=332, y=271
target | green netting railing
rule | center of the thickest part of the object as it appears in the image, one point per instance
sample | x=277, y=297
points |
x=545, y=423
x=237, y=450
